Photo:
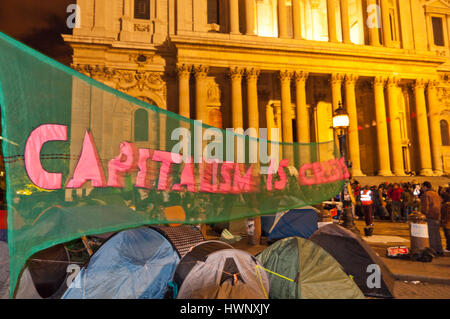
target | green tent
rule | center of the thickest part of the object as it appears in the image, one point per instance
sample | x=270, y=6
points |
x=300, y=269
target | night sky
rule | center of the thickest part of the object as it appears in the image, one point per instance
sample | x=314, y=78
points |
x=39, y=24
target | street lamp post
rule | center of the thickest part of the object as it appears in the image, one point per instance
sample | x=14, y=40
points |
x=341, y=123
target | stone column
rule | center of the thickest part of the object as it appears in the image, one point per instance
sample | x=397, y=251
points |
x=282, y=19
x=353, y=134
x=252, y=98
x=374, y=37
x=286, y=110
x=394, y=127
x=336, y=97
x=301, y=107
x=336, y=93
x=296, y=21
x=435, y=128
x=382, y=131
x=236, y=97
x=184, y=74
x=201, y=74
x=250, y=17
x=302, y=115
x=234, y=16
x=331, y=13
x=270, y=121
x=385, y=23
x=286, y=114
x=345, y=22
x=422, y=128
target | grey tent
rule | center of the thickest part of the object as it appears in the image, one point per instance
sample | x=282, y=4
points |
x=312, y=273
x=44, y=275
x=357, y=258
x=213, y=270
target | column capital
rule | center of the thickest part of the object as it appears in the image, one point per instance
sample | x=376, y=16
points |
x=200, y=71
x=301, y=76
x=252, y=73
x=184, y=70
x=420, y=84
x=433, y=84
x=337, y=78
x=392, y=81
x=285, y=75
x=351, y=79
x=236, y=73
x=379, y=81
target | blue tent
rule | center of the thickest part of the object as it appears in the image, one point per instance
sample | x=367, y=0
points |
x=300, y=222
x=133, y=264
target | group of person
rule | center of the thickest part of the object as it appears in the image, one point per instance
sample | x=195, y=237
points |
x=397, y=201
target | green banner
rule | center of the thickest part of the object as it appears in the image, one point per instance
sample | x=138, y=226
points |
x=82, y=158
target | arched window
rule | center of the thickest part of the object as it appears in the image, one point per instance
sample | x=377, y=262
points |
x=445, y=138
x=141, y=125
x=142, y=9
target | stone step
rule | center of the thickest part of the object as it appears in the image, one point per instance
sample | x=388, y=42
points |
x=435, y=181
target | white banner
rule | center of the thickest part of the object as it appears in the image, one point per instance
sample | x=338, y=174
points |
x=419, y=230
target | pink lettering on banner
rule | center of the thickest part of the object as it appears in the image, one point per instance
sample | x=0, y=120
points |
x=125, y=162
x=209, y=171
x=242, y=183
x=226, y=171
x=143, y=178
x=166, y=159
x=319, y=173
x=280, y=184
x=327, y=172
x=187, y=178
x=88, y=167
x=38, y=137
x=270, y=175
x=345, y=172
x=302, y=178
x=334, y=171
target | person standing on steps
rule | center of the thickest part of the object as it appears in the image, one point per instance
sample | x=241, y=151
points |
x=430, y=203
x=366, y=203
x=394, y=194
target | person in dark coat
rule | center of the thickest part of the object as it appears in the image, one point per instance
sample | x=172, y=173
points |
x=430, y=203
x=357, y=192
x=408, y=200
x=379, y=203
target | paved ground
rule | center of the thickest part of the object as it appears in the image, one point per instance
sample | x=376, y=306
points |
x=421, y=290
x=415, y=280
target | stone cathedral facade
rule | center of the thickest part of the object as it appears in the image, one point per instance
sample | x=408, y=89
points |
x=284, y=64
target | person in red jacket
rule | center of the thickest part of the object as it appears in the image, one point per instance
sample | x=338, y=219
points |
x=366, y=197
x=395, y=195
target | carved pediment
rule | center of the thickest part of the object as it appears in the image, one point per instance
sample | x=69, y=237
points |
x=437, y=6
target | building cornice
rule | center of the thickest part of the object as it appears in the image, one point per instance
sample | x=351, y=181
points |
x=243, y=42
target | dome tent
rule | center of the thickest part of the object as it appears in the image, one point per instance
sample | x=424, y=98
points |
x=312, y=273
x=301, y=222
x=214, y=270
x=44, y=275
x=355, y=256
x=135, y=263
